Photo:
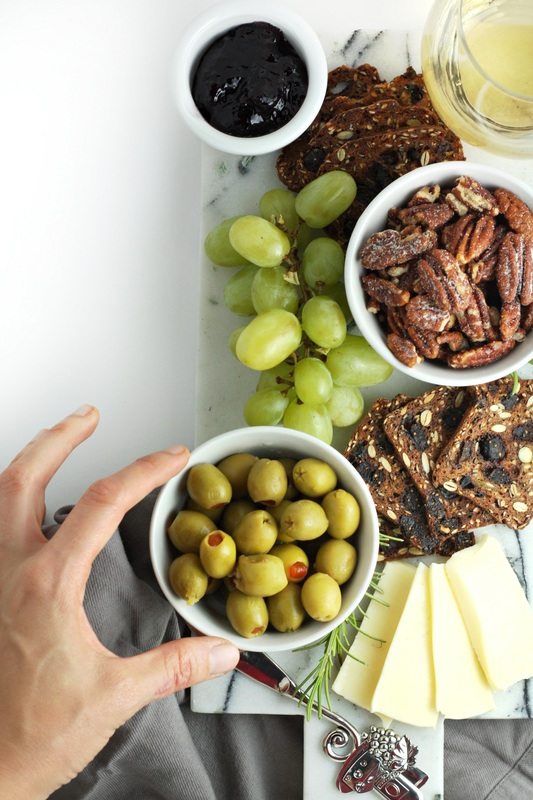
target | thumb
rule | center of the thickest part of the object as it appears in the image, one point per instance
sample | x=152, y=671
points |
x=177, y=665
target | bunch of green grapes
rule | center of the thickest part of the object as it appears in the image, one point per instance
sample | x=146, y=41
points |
x=290, y=280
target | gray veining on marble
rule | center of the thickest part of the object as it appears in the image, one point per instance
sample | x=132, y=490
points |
x=232, y=186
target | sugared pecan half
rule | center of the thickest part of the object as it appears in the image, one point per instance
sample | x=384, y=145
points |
x=388, y=248
x=469, y=237
x=431, y=284
x=424, y=341
x=454, y=280
x=515, y=211
x=469, y=194
x=403, y=349
x=510, y=266
x=526, y=294
x=395, y=320
x=427, y=194
x=454, y=340
x=471, y=323
x=484, y=313
x=510, y=319
x=481, y=356
x=430, y=215
x=384, y=291
x=422, y=313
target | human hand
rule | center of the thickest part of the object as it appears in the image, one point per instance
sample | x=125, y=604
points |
x=62, y=693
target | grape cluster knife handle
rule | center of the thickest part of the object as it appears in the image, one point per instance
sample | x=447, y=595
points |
x=379, y=760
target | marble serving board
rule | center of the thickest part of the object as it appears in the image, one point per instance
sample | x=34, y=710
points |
x=230, y=186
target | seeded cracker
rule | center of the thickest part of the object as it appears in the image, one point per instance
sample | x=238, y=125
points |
x=490, y=457
x=396, y=498
x=419, y=431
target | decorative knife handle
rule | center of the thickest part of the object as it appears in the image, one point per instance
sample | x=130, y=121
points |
x=383, y=762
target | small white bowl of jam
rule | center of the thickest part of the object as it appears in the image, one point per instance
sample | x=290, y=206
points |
x=250, y=77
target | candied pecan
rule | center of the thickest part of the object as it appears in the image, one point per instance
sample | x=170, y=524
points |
x=471, y=323
x=480, y=356
x=483, y=270
x=397, y=271
x=424, y=341
x=373, y=306
x=510, y=266
x=527, y=318
x=385, y=291
x=395, y=320
x=454, y=340
x=422, y=313
x=427, y=194
x=455, y=281
x=431, y=284
x=431, y=215
x=510, y=319
x=526, y=294
x=484, y=312
x=515, y=211
x=388, y=248
x=403, y=349
x=452, y=234
x=469, y=194
x=520, y=335
x=476, y=238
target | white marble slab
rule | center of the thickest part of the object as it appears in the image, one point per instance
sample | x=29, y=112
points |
x=231, y=186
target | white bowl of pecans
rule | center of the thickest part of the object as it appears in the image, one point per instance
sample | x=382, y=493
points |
x=439, y=273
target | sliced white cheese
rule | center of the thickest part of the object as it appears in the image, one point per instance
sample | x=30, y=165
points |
x=406, y=688
x=461, y=689
x=355, y=681
x=495, y=610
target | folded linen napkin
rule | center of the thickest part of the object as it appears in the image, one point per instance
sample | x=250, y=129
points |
x=166, y=752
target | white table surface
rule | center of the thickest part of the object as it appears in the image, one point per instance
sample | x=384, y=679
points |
x=99, y=222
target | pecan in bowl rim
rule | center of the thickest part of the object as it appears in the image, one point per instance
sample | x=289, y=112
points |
x=374, y=219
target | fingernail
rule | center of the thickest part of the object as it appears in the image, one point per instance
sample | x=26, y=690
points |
x=83, y=410
x=176, y=450
x=222, y=658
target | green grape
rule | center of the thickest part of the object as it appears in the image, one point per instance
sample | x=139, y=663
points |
x=218, y=248
x=269, y=339
x=265, y=408
x=324, y=322
x=314, y=420
x=313, y=381
x=278, y=207
x=268, y=379
x=271, y=290
x=232, y=339
x=259, y=241
x=238, y=291
x=354, y=363
x=324, y=199
x=305, y=235
x=322, y=263
x=345, y=406
x=338, y=293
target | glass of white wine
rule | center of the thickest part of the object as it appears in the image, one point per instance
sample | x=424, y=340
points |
x=477, y=61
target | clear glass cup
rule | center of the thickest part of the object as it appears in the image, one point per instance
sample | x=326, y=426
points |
x=477, y=61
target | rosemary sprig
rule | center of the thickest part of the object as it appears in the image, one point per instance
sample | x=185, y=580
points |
x=315, y=686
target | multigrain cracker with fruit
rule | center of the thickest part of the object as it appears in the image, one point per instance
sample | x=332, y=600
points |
x=419, y=431
x=489, y=460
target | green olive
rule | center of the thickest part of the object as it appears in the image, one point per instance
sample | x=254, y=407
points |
x=188, y=578
x=294, y=559
x=234, y=512
x=267, y=482
x=260, y=575
x=321, y=597
x=247, y=615
x=208, y=486
x=188, y=530
x=218, y=554
x=336, y=558
x=288, y=464
x=342, y=511
x=303, y=520
x=236, y=469
x=285, y=609
x=212, y=513
x=313, y=478
x=256, y=532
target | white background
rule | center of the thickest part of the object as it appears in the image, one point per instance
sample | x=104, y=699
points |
x=99, y=222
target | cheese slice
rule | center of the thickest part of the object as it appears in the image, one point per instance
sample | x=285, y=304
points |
x=406, y=687
x=495, y=610
x=355, y=681
x=461, y=689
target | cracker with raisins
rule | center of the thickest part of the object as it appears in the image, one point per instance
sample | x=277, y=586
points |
x=419, y=431
x=489, y=460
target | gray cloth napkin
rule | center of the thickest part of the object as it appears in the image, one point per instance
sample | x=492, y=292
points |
x=166, y=752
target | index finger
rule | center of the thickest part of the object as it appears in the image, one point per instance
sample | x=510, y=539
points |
x=93, y=520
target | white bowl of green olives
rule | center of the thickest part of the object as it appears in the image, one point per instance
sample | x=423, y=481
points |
x=269, y=538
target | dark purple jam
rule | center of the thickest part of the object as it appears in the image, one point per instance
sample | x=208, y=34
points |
x=250, y=81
